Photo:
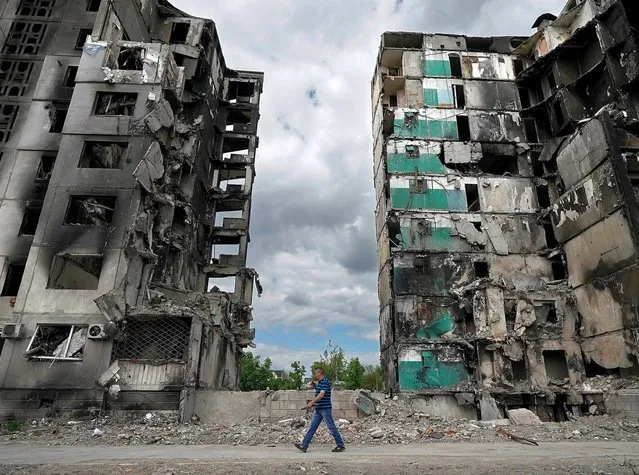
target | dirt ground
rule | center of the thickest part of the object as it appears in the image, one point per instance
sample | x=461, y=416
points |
x=450, y=458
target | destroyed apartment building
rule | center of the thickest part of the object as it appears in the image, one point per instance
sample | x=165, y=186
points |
x=507, y=183
x=127, y=151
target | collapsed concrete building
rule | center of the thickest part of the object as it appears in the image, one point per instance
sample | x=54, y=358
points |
x=507, y=176
x=127, y=151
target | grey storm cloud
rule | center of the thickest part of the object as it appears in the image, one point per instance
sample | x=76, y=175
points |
x=312, y=223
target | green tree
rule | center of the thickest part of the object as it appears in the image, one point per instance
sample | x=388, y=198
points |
x=353, y=375
x=332, y=361
x=373, y=379
x=296, y=376
x=256, y=376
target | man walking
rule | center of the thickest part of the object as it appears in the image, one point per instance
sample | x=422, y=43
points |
x=323, y=410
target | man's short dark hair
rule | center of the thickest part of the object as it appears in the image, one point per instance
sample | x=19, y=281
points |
x=321, y=370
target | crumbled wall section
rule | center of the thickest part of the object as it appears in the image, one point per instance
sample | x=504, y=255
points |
x=155, y=173
x=507, y=209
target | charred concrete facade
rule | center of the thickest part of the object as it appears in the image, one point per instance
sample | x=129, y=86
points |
x=506, y=214
x=127, y=164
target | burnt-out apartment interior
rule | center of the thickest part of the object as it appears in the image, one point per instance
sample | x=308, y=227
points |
x=507, y=183
x=127, y=151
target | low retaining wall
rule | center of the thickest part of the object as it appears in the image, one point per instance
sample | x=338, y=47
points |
x=624, y=403
x=231, y=407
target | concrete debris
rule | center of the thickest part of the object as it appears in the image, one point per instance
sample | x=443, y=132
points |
x=523, y=417
x=488, y=408
x=97, y=432
x=365, y=403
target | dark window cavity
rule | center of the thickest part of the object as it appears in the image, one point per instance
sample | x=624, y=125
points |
x=82, y=37
x=12, y=281
x=102, y=154
x=180, y=32
x=472, y=197
x=30, y=220
x=455, y=66
x=90, y=210
x=69, y=77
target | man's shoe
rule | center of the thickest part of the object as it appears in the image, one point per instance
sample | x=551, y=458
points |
x=301, y=447
x=339, y=449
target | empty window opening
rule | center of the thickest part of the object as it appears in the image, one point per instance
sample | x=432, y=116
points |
x=551, y=239
x=163, y=339
x=537, y=166
x=593, y=369
x=422, y=265
x=477, y=225
x=238, y=145
x=30, y=220
x=58, y=115
x=238, y=120
x=82, y=37
x=482, y=269
x=392, y=100
x=469, y=320
x=12, y=280
x=241, y=91
x=543, y=197
x=69, y=77
x=555, y=364
x=510, y=310
x=231, y=216
x=225, y=249
x=412, y=151
x=499, y=164
x=233, y=185
x=424, y=227
x=180, y=32
x=463, y=128
x=518, y=66
x=546, y=312
x=45, y=169
x=57, y=342
x=524, y=97
x=75, y=272
x=559, y=113
x=179, y=58
x=455, y=65
x=93, y=5
x=222, y=284
x=519, y=370
x=552, y=84
x=131, y=59
x=182, y=220
x=472, y=197
x=115, y=103
x=102, y=154
x=460, y=97
x=420, y=185
x=90, y=210
x=558, y=268
x=530, y=126
x=411, y=119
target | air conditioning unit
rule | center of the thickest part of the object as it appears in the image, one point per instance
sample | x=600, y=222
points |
x=96, y=332
x=11, y=330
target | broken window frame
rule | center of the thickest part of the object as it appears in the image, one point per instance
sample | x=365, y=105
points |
x=31, y=212
x=72, y=330
x=131, y=100
x=411, y=119
x=109, y=213
x=42, y=175
x=82, y=37
x=58, y=113
x=133, y=62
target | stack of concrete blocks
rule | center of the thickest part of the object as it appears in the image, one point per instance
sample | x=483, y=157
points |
x=624, y=403
x=287, y=404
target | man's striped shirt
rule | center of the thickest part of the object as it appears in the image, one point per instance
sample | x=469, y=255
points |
x=323, y=385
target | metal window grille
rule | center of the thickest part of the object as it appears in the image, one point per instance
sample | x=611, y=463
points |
x=24, y=38
x=14, y=77
x=158, y=339
x=42, y=8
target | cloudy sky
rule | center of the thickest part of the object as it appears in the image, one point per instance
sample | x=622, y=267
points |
x=312, y=229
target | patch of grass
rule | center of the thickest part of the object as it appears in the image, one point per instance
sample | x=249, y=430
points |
x=13, y=426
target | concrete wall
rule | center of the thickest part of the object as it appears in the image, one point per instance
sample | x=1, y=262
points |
x=624, y=403
x=230, y=407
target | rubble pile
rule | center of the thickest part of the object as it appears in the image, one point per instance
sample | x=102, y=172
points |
x=392, y=423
